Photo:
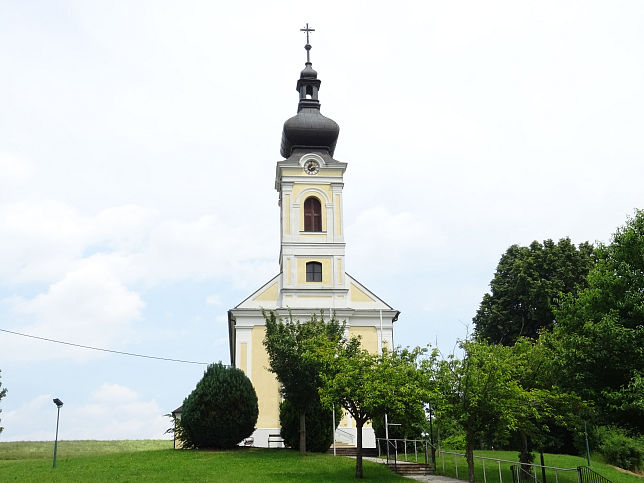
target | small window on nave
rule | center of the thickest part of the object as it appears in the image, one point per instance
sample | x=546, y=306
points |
x=313, y=272
x=312, y=214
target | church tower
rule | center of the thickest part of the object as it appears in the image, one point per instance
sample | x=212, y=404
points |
x=312, y=277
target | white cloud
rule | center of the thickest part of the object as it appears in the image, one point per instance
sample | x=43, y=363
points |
x=89, y=306
x=92, y=268
x=201, y=248
x=30, y=418
x=112, y=411
x=45, y=240
x=40, y=240
x=13, y=169
x=398, y=238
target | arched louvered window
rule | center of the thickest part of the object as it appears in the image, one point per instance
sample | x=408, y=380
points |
x=313, y=272
x=312, y=214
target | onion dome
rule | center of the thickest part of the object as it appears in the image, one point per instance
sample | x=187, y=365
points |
x=309, y=129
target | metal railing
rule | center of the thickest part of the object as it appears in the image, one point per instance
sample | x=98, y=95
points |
x=407, y=447
x=522, y=472
x=393, y=449
x=343, y=433
x=586, y=475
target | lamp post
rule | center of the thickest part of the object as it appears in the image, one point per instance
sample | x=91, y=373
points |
x=59, y=404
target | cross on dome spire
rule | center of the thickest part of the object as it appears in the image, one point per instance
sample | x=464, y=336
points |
x=308, y=45
x=308, y=129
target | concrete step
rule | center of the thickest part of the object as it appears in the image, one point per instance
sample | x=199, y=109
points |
x=405, y=469
x=352, y=451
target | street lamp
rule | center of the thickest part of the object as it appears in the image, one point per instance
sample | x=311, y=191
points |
x=59, y=404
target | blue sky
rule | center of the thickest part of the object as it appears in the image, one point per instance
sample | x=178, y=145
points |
x=137, y=162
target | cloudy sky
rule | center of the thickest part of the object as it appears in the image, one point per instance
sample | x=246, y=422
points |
x=138, y=142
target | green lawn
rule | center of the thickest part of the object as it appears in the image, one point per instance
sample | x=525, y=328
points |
x=152, y=461
x=21, y=450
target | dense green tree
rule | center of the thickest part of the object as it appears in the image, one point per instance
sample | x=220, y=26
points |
x=285, y=343
x=527, y=282
x=3, y=393
x=480, y=392
x=221, y=411
x=599, y=334
x=365, y=384
x=544, y=407
x=319, y=430
x=413, y=423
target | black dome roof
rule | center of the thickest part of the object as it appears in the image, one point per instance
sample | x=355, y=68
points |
x=309, y=129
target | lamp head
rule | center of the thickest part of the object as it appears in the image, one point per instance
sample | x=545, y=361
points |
x=58, y=403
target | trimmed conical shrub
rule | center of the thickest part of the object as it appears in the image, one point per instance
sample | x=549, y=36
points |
x=221, y=411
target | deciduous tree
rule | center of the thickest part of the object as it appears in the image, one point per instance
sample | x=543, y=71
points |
x=365, y=384
x=527, y=282
x=286, y=342
x=599, y=334
x=480, y=392
x=544, y=405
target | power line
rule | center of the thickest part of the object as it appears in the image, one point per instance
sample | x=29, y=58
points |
x=103, y=350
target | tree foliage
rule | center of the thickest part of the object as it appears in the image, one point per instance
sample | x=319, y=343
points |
x=599, y=334
x=221, y=411
x=527, y=282
x=286, y=342
x=3, y=393
x=319, y=430
x=545, y=406
x=413, y=424
x=367, y=384
x=480, y=392
x=495, y=390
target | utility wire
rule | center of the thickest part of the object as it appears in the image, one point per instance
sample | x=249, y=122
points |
x=103, y=350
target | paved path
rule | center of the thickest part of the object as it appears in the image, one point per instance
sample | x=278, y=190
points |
x=427, y=478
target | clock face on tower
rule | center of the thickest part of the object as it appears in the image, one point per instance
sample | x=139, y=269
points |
x=311, y=167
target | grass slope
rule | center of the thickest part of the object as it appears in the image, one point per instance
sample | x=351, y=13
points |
x=554, y=460
x=20, y=450
x=103, y=461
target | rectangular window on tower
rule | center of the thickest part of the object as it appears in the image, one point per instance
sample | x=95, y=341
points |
x=313, y=272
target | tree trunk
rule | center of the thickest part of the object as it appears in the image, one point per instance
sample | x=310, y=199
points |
x=302, y=433
x=469, y=456
x=359, y=449
x=525, y=457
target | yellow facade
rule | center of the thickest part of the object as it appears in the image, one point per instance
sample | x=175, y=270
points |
x=301, y=172
x=338, y=219
x=268, y=295
x=265, y=383
x=368, y=337
x=358, y=295
x=287, y=214
x=325, y=188
x=326, y=270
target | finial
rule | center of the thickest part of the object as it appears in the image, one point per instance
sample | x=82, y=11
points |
x=308, y=45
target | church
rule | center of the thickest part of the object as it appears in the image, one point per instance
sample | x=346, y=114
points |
x=312, y=276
